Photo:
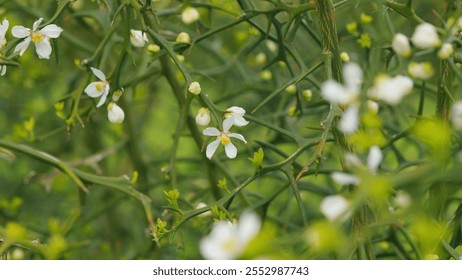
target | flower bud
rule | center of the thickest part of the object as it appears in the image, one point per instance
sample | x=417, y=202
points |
x=183, y=37
x=307, y=94
x=117, y=94
x=153, y=48
x=194, y=88
x=345, y=57
x=291, y=89
x=421, y=70
x=400, y=45
x=203, y=116
x=266, y=75
x=456, y=115
x=190, y=15
x=138, y=38
x=115, y=114
x=425, y=36
x=445, y=51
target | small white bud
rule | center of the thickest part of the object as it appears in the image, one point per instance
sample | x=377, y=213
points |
x=183, y=37
x=345, y=57
x=400, y=45
x=260, y=58
x=194, y=88
x=425, y=36
x=115, y=114
x=445, y=51
x=456, y=115
x=138, y=38
x=203, y=117
x=190, y=15
x=421, y=70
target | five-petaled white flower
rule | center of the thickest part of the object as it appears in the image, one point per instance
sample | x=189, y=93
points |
x=115, y=114
x=3, y=28
x=224, y=138
x=138, y=38
x=228, y=241
x=99, y=88
x=41, y=38
x=346, y=95
x=237, y=114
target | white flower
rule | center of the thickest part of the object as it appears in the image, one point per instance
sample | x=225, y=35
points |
x=41, y=38
x=138, y=38
x=203, y=116
x=183, y=37
x=195, y=88
x=3, y=28
x=334, y=92
x=350, y=120
x=445, y=51
x=456, y=115
x=237, y=114
x=224, y=138
x=334, y=207
x=190, y=15
x=345, y=178
x=425, y=36
x=115, y=114
x=228, y=241
x=390, y=89
x=100, y=88
x=421, y=70
x=400, y=45
x=374, y=159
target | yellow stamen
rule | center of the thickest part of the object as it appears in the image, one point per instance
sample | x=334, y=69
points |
x=37, y=37
x=224, y=139
x=99, y=86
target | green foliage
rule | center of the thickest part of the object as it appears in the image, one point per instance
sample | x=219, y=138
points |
x=135, y=178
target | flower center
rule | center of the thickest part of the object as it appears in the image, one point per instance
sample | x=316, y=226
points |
x=100, y=86
x=37, y=37
x=230, y=244
x=224, y=139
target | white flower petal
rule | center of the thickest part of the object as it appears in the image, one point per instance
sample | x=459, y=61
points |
x=92, y=90
x=51, y=31
x=227, y=124
x=3, y=28
x=334, y=207
x=212, y=148
x=43, y=49
x=211, y=131
x=237, y=136
x=37, y=24
x=215, y=246
x=334, y=92
x=236, y=110
x=345, y=178
x=230, y=150
x=98, y=73
x=248, y=227
x=2, y=70
x=240, y=121
x=350, y=120
x=22, y=47
x=374, y=158
x=353, y=76
x=20, y=31
x=103, y=97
